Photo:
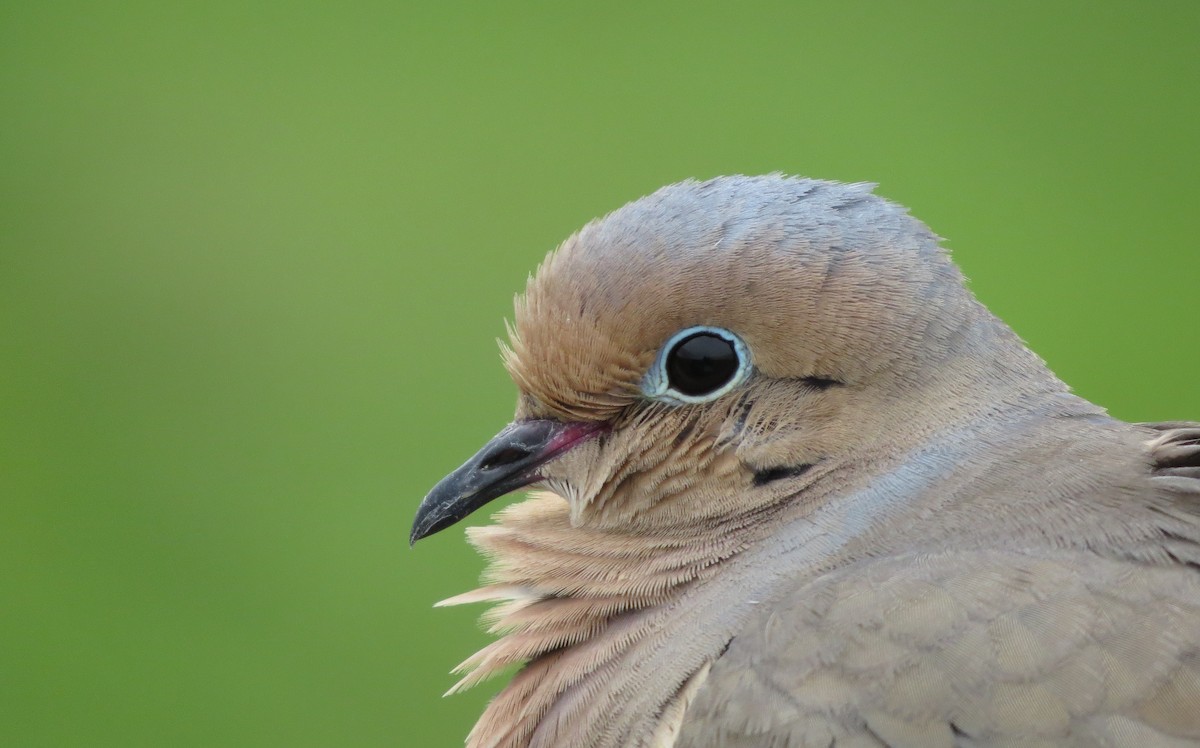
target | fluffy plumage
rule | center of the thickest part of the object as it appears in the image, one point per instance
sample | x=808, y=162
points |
x=900, y=530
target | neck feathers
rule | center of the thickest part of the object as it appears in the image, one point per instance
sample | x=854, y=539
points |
x=567, y=604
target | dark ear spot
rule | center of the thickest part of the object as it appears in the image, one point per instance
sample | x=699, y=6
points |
x=770, y=475
x=821, y=383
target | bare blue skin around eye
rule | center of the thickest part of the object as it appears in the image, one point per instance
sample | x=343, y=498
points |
x=656, y=384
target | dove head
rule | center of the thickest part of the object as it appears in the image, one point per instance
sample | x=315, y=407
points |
x=716, y=346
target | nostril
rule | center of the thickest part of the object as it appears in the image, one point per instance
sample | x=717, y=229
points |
x=506, y=456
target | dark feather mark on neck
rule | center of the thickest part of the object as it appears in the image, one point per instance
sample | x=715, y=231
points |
x=770, y=475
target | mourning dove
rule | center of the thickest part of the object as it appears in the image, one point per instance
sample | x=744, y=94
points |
x=802, y=489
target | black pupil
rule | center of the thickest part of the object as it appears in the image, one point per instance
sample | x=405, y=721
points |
x=701, y=363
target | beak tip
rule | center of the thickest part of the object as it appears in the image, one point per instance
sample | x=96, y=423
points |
x=420, y=530
x=430, y=520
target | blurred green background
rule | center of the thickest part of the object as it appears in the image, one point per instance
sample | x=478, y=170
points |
x=253, y=259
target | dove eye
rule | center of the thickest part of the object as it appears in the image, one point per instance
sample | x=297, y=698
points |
x=696, y=365
x=702, y=363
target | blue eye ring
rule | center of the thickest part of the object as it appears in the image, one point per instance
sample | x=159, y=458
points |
x=657, y=384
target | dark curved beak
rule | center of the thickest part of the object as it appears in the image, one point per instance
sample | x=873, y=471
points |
x=508, y=462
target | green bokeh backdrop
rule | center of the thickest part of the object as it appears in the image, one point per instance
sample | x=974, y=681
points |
x=253, y=258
